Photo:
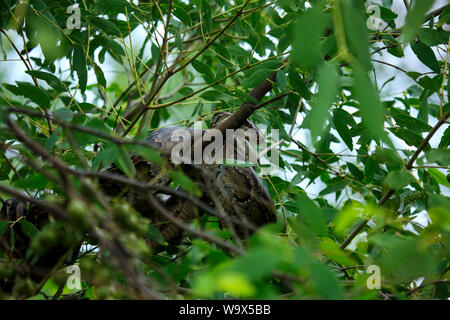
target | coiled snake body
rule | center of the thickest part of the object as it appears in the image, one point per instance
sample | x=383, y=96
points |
x=234, y=191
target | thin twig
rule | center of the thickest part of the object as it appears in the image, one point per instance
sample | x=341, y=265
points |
x=390, y=192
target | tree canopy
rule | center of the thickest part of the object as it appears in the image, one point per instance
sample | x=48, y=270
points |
x=359, y=94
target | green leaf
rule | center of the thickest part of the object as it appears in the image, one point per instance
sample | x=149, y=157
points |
x=371, y=109
x=79, y=65
x=328, y=88
x=212, y=95
x=298, y=84
x=51, y=141
x=206, y=15
x=308, y=33
x=445, y=140
x=335, y=187
x=406, y=259
x=311, y=214
x=100, y=76
x=238, y=51
x=412, y=123
x=223, y=53
x=256, y=78
x=396, y=51
x=356, y=33
x=64, y=113
x=341, y=120
x=85, y=107
x=441, y=157
x=182, y=15
x=429, y=83
x=426, y=55
x=321, y=278
x=369, y=169
x=179, y=42
x=325, y=282
x=84, y=138
x=149, y=153
x=51, y=80
x=203, y=69
x=185, y=183
x=3, y=227
x=415, y=17
x=439, y=177
x=235, y=283
x=13, y=89
x=28, y=228
x=355, y=171
x=398, y=179
x=255, y=263
x=124, y=162
x=34, y=182
x=106, y=26
x=387, y=157
x=27, y=90
x=281, y=80
x=106, y=156
x=155, y=53
x=112, y=45
x=410, y=137
x=430, y=37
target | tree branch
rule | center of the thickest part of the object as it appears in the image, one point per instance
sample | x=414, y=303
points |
x=390, y=192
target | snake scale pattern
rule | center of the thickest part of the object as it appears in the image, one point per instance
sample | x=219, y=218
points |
x=234, y=191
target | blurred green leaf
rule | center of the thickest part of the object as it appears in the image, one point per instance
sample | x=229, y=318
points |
x=371, y=109
x=148, y=153
x=328, y=88
x=441, y=157
x=3, y=227
x=356, y=33
x=185, y=182
x=439, y=177
x=398, y=179
x=311, y=214
x=445, y=140
x=308, y=33
x=204, y=70
x=387, y=157
x=28, y=228
x=415, y=17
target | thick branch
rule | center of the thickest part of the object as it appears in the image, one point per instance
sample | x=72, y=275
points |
x=247, y=109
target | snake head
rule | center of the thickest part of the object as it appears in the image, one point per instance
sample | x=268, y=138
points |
x=13, y=209
x=248, y=126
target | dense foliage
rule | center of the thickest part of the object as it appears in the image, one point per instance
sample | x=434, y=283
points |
x=362, y=178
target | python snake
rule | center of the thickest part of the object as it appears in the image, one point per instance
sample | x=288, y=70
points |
x=234, y=191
